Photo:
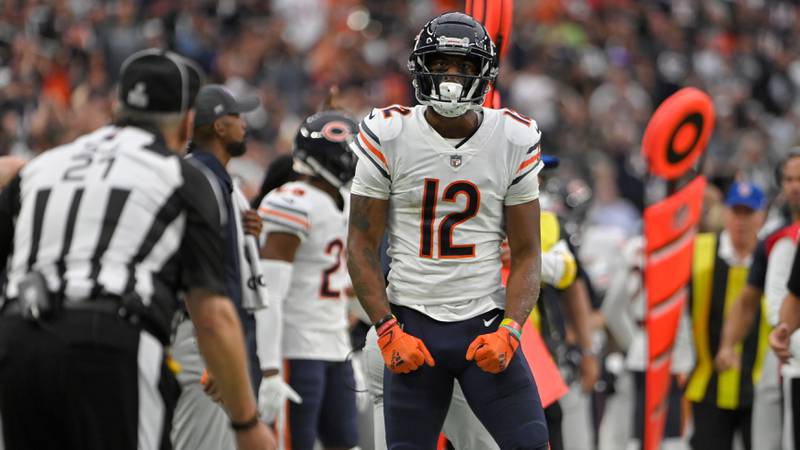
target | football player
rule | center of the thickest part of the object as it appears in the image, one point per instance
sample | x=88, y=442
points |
x=461, y=427
x=305, y=223
x=449, y=180
x=624, y=308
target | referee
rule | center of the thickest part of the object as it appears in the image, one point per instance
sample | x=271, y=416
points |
x=100, y=239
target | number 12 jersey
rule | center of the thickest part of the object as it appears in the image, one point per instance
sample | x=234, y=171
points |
x=446, y=203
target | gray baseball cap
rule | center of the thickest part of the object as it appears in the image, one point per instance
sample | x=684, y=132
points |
x=214, y=101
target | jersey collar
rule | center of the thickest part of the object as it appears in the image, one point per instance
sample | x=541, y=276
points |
x=467, y=148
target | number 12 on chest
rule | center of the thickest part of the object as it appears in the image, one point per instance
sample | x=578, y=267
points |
x=430, y=199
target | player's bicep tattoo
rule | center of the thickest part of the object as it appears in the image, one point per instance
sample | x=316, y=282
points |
x=367, y=223
x=368, y=215
x=359, y=212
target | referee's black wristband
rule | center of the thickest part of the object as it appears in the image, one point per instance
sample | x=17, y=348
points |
x=383, y=320
x=246, y=425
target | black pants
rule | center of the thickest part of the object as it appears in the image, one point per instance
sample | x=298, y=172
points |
x=791, y=411
x=554, y=415
x=85, y=380
x=416, y=403
x=715, y=427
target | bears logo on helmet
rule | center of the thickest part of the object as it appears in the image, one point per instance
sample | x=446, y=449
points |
x=322, y=147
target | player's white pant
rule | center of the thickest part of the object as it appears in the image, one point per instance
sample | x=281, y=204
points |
x=615, y=431
x=198, y=422
x=461, y=426
x=364, y=402
x=766, y=426
x=576, y=424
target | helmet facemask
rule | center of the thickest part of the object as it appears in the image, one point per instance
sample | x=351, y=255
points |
x=308, y=165
x=452, y=95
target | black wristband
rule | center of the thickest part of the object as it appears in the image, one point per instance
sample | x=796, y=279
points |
x=246, y=425
x=383, y=320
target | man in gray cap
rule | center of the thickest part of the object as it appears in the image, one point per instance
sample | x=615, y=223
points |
x=100, y=238
x=219, y=135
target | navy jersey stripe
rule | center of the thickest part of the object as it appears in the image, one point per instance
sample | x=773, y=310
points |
x=380, y=169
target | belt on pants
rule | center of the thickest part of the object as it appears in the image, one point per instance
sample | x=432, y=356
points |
x=107, y=305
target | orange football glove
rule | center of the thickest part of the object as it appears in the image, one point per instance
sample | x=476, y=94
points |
x=402, y=352
x=493, y=352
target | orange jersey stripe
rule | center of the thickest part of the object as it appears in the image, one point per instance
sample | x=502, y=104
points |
x=372, y=148
x=529, y=161
x=283, y=215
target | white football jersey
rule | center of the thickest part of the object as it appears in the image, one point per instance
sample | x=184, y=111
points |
x=624, y=307
x=779, y=268
x=314, y=310
x=446, y=203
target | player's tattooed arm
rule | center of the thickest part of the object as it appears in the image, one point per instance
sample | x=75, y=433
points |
x=365, y=232
x=524, y=241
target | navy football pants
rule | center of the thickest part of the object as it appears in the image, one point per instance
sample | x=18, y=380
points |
x=328, y=411
x=416, y=404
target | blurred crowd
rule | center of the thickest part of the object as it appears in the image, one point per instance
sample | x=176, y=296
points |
x=589, y=71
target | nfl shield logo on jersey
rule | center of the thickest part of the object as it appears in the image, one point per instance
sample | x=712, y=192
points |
x=455, y=160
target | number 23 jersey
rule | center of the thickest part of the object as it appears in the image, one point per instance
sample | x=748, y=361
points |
x=446, y=203
x=314, y=311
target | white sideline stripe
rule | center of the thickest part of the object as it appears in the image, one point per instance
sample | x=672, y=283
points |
x=151, y=405
x=667, y=250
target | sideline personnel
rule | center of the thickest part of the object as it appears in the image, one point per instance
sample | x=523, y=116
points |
x=104, y=234
x=722, y=400
x=219, y=135
x=767, y=398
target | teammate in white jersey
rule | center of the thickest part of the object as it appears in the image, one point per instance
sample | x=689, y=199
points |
x=306, y=225
x=449, y=180
x=782, y=314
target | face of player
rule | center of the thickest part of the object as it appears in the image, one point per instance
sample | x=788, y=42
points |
x=790, y=185
x=742, y=224
x=232, y=131
x=451, y=84
x=453, y=65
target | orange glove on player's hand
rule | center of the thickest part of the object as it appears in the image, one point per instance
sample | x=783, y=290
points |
x=402, y=352
x=493, y=352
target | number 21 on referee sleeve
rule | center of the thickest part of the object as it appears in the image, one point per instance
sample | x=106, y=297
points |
x=430, y=195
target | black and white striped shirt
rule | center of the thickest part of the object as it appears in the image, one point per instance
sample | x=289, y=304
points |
x=113, y=213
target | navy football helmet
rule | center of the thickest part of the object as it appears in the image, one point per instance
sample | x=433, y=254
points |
x=453, y=34
x=322, y=147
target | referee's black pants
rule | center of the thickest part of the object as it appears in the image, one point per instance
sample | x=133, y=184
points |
x=84, y=380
